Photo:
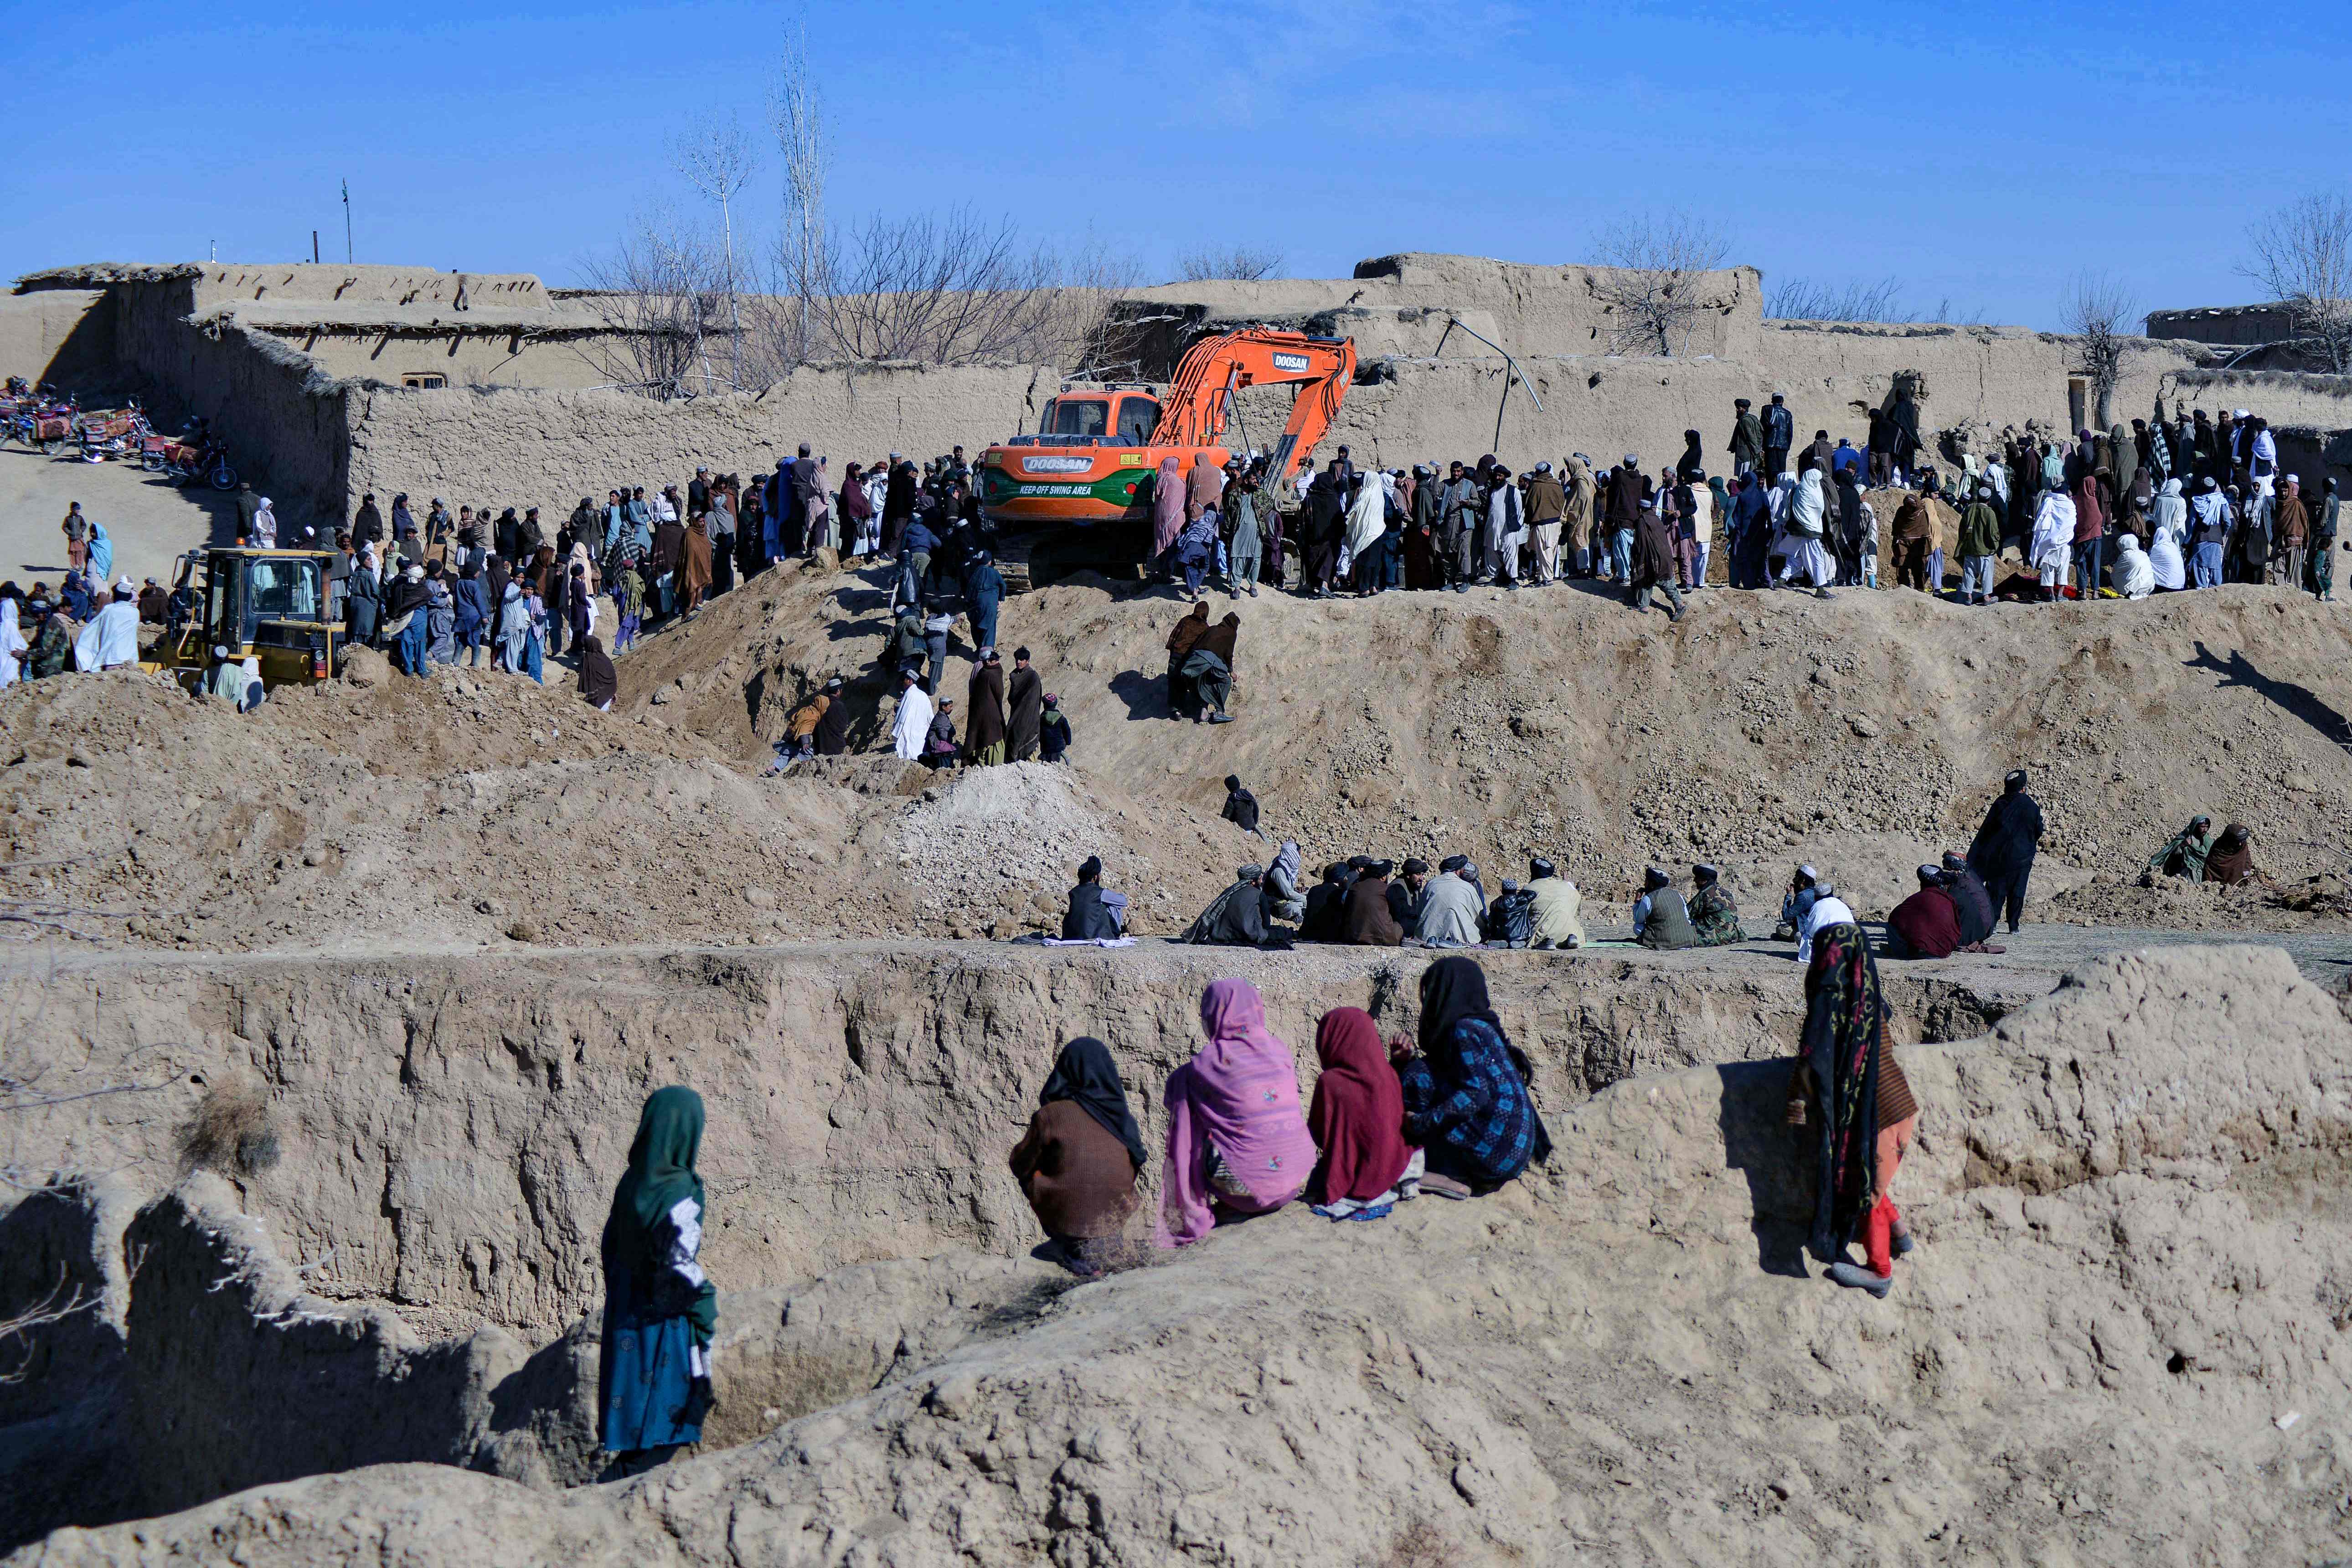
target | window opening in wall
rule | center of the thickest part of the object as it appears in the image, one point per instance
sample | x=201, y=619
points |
x=427, y=381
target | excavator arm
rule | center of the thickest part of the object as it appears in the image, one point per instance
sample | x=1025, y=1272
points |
x=1199, y=400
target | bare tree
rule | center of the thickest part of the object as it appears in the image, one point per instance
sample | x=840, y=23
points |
x=2303, y=254
x=796, y=114
x=1239, y=263
x=716, y=158
x=1654, y=290
x=2100, y=313
x=948, y=289
x=1806, y=300
x=663, y=293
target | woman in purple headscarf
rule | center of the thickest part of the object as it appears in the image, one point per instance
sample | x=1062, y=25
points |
x=1238, y=1138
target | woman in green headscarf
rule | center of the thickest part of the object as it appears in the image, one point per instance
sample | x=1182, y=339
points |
x=653, y=1380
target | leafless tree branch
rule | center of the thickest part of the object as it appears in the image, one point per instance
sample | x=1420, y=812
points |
x=1808, y=300
x=2101, y=314
x=2303, y=254
x=664, y=294
x=61, y=1302
x=796, y=114
x=1241, y=263
x=718, y=159
x=1654, y=290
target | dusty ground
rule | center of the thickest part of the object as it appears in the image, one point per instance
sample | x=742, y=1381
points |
x=450, y=932
x=1863, y=735
x=151, y=519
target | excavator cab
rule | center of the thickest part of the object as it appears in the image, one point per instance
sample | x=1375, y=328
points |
x=1089, y=470
x=267, y=605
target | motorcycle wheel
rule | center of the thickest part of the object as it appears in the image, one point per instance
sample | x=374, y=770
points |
x=151, y=463
x=222, y=478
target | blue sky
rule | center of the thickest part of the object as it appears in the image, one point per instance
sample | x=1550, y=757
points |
x=1982, y=154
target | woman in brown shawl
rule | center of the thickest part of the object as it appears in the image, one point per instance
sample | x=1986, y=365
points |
x=695, y=569
x=983, y=735
x=599, y=681
x=2231, y=861
x=1180, y=638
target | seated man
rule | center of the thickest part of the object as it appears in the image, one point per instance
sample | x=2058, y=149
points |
x=1661, y=919
x=1234, y=918
x=1094, y=915
x=1510, y=919
x=1803, y=888
x=2183, y=854
x=1971, y=901
x=1826, y=909
x=1553, y=907
x=1404, y=894
x=1369, y=923
x=1713, y=913
x=1451, y=908
x=1926, y=924
x=1326, y=906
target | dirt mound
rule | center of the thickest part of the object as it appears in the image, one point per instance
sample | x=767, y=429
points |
x=1865, y=734
x=1625, y=1350
x=2168, y=903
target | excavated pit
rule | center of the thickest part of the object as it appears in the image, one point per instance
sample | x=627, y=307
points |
x=2121, y=1339
x=445, y=1129
x=404, y=1164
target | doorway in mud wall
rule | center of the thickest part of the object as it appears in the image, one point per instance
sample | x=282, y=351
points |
x=2078, y=403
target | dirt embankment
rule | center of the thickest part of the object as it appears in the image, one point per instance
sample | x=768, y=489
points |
x=1863, y=735
x=2121, y=1339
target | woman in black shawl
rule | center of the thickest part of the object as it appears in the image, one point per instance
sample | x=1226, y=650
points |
x=1078, y=1163
x=1465, y=1090
x=653, y=1374
x=599, y=681
x=1848, y=1089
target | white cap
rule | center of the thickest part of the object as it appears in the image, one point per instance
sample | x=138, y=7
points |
x=125, y=585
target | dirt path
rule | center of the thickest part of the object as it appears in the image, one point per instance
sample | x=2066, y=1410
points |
x=150, y=519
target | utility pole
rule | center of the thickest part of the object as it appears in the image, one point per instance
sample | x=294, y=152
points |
x=314, y=248
x=347, y=221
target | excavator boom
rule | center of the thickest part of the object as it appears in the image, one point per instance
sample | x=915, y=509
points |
x=1201, y=398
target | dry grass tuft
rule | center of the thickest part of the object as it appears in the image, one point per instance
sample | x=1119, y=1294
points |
x=229, y=1132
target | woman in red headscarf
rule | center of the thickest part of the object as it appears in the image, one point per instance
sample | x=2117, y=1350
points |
x=1357, y=1121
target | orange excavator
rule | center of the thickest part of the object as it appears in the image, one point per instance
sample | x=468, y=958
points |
x=1079, y=493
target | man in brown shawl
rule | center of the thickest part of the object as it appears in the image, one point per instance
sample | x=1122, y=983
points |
x=1208, y=673
x=1180, y=639
x=697, y=564
x=2290, y=531
x=669, y=551
x=983, y=735
x=1025, y=693
x=1368, y=920
x=1653, y=563
x=1914, y=532
x=1582, y=496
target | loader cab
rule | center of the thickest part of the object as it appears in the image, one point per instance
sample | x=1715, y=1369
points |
x=268, y=605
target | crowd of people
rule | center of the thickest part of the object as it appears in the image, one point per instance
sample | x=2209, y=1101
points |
x=1370, y=902
x=1448, y=1113
x=2157, y=506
